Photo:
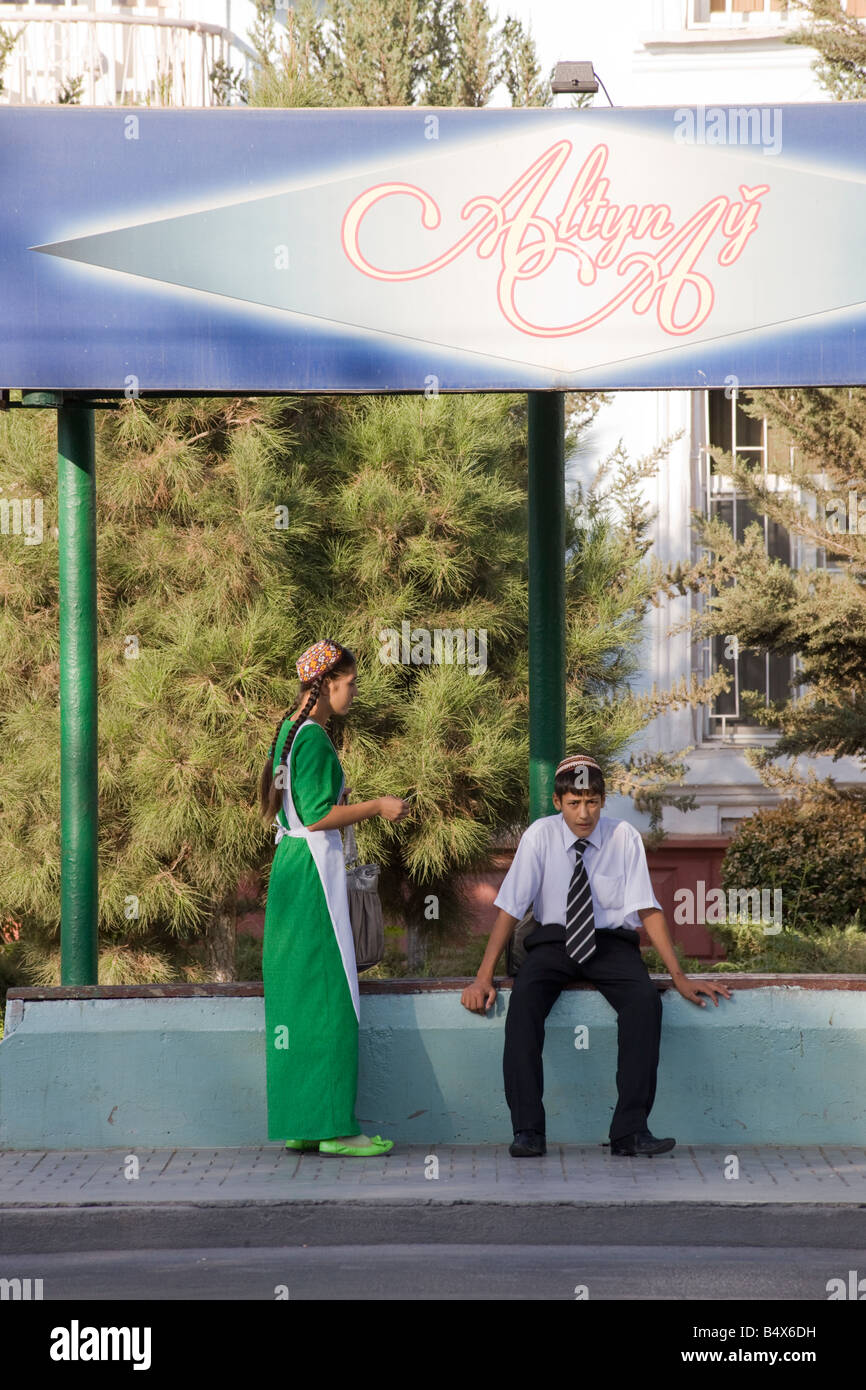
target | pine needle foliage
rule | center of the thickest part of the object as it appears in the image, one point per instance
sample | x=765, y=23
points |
x=839, y=39
x=232, y=534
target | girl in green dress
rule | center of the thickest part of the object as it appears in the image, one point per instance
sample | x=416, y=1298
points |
x=308, y=962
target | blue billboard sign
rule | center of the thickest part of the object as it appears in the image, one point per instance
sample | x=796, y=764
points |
x=426, y=250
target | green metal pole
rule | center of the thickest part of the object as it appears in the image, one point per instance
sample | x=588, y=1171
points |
x=79, y=809
x=546, y=596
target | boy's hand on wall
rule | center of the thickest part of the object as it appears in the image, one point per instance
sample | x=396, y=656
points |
x=478, y=997
x=689, y=990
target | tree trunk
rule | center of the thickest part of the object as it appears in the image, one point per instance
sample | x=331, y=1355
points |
x=219, y=943
x=416, y=952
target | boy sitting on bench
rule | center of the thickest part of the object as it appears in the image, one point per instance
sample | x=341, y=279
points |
x=587, y=878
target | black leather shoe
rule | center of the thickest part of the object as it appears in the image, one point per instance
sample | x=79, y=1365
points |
x=631, y=1145
x=528, y=1143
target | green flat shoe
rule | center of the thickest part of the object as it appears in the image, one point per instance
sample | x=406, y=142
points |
x=302, y=1143
x=377, y=1146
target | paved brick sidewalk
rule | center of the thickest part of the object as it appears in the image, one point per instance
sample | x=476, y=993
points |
x=832, y=1176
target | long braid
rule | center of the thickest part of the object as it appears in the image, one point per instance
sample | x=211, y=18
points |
x=280, y=722
x=271, y=782
x=304, y=714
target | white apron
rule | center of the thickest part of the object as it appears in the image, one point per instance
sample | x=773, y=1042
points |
x=326, y=847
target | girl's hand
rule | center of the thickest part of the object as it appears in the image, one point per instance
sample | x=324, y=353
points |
x=393, y=807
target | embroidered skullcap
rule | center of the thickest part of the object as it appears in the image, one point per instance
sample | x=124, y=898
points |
x=577, y=760
x=318, y=659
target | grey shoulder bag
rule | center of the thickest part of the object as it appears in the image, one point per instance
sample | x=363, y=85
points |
x=515, y=951
x=365, y=906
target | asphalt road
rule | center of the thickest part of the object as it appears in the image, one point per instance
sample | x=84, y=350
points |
x=452, y=1272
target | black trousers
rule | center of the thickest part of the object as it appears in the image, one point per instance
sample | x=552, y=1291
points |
x=618, y=972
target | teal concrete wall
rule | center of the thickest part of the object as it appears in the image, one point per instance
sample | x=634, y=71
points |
x=774, y=1065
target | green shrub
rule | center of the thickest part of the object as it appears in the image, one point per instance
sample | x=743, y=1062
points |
x=744, y=942
x=835, y=951
x=814, y=850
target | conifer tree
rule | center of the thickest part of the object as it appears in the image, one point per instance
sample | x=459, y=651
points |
x=231, y=534
x=839, y=39
x=388, y=53
x=7, y=43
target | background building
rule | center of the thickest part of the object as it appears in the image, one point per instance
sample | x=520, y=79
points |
x=122, y=52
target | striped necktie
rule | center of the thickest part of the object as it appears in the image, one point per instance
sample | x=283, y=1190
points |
x=579, y=919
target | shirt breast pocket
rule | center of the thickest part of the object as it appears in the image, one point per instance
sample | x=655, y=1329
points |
x=609, y=891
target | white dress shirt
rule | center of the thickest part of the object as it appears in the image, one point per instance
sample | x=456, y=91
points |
x=544, y=861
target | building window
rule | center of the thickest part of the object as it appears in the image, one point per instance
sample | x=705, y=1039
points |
x=736, y=12
x=753, y=443
x=760, y=11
